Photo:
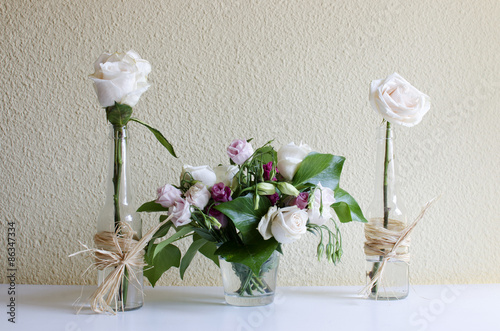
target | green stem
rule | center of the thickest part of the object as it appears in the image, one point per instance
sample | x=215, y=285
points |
x=376, y=265
x=386, y=166
x=117, y=171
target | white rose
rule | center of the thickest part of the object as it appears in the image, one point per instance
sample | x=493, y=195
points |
x=290, y=157
x=289, y=224
x=323, y=197
x=198, y=195
x=204, y=174
x=225, y=174
x=167, y=195
x=285, y=225
x=398, y=101
x=120, y=77
x=181, y=211
x=264, y=226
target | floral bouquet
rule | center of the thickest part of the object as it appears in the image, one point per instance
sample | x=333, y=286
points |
x=242, y=213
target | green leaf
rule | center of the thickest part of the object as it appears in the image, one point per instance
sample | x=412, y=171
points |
x=315, y=168
x=245, y=218
x=162, y=231
x=158, y=136
x=189, y=255
x=204, y=233
x=346, y=208
x=252, y=255
x=343, y=211
x=151, y=207
x=167, y=257
x=182, y=231
x=208, y=250
x=118, y=114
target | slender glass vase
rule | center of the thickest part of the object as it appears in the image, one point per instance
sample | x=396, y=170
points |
x=119, y=216
x=242, y=287
x=386, y=219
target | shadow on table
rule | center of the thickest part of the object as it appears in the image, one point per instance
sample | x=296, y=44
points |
x=65, y=298
x=179, y=296
x=326, y=293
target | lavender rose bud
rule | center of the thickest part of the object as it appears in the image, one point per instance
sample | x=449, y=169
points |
x=167, y=195
x=181, y=212
x=239, y=151
x=301, y=200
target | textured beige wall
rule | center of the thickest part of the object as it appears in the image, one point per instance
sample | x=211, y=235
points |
x=289, y=70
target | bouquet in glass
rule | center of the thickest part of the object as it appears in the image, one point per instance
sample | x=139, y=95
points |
x=241, y=214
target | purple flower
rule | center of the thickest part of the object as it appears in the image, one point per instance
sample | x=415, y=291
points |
x=221, y=193
x=267, y=171
x=223, y=220
x=273, y=198
x=301, y=200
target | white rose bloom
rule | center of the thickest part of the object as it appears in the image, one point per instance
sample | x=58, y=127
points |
x=322, y=196
x=265, y=223
x=198, y=195
x=285, y=224
x=225, y=174
x=120, y=77
x=204, y=174
x=288, y=224
x=290, y=157
x=398, y=101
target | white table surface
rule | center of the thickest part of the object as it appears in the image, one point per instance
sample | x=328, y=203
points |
x=435, y=307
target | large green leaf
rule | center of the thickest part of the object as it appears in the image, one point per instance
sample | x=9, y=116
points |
x=252, y=255
x=162, y=231
x=158, y=136
x=208, y=250
x=151, y=206
x=346, y=208
x=169, y=256
x=246, y=219
x=315, y=168
x=182, y=232
x=189, y=255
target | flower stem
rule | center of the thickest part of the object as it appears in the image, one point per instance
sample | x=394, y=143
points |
x=386, y=181
x=376, y=265
x=117, y=171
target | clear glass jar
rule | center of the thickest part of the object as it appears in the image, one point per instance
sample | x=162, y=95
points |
x=386, y=212
x=242, y=287
x=120, y=207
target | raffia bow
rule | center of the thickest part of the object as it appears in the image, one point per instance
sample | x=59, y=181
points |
x=386, y=243
x=120, y=252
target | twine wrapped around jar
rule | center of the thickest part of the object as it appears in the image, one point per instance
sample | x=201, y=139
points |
x=390, y=244
x=120, y=252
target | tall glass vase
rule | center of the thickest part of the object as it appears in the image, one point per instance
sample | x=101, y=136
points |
x=386, y=220
x=119, y=217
